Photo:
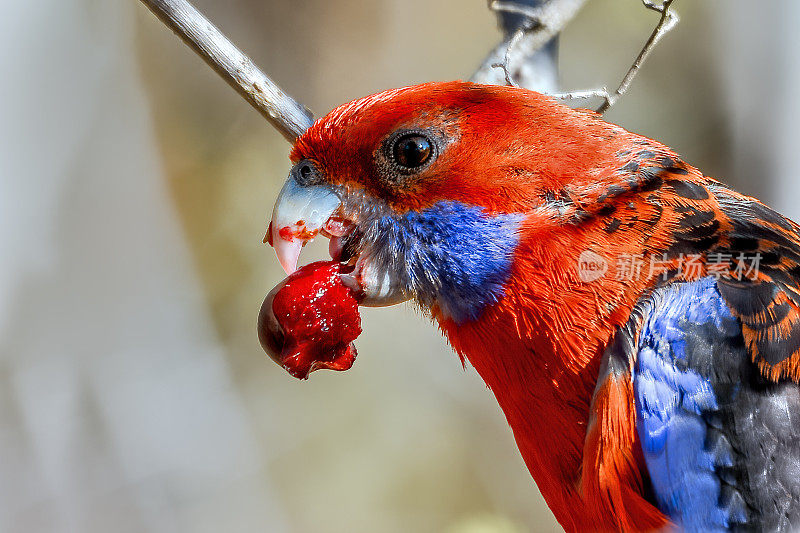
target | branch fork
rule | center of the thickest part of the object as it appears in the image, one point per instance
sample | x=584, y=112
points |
x=669, y=19
x=291, y=118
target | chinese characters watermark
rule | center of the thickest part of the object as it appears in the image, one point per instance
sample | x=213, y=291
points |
x=629, y=267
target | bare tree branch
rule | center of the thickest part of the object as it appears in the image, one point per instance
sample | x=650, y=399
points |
x=667, y=21
x=288, y=116
x=555, y=14
x=545, y=22
x=291, y=118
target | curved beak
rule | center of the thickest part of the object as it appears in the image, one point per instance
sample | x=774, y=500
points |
x=300, y=212
x=307, y=205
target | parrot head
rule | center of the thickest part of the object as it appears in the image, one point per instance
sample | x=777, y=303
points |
x=424, y=190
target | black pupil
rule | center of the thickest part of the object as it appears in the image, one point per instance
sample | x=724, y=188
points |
x=412, y=151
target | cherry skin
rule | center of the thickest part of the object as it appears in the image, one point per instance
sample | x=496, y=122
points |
x=310, y=320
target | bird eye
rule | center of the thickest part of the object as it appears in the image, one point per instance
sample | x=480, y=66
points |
x=412, y=150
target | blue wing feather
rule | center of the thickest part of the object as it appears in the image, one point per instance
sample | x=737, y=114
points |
x=709, y=426
x=670, y=401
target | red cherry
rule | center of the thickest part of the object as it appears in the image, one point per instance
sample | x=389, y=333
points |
x=309, y=321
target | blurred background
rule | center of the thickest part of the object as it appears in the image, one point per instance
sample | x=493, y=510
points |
x=135, y=189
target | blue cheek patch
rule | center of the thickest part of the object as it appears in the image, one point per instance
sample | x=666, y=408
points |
x=452, y=254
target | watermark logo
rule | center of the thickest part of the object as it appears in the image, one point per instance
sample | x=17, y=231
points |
x=630, y=267
x=591, y=266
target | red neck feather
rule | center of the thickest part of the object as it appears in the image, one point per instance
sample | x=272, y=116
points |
x=539, y=351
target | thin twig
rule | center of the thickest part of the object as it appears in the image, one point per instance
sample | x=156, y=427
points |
x=546, y=22
x=288, y=116
x=581, y=95
x=518, y=35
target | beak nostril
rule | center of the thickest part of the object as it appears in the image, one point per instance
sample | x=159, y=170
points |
x=306, y=174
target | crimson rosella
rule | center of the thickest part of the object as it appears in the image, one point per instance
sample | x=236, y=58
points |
x=637, y=321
